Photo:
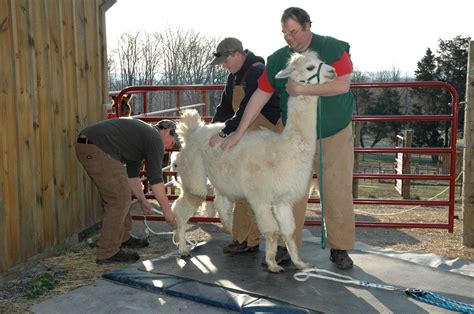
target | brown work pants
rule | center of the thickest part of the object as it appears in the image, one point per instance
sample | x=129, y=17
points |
x=338, y=165
x=110, y=177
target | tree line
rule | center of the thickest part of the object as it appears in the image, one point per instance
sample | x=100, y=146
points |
x=182, y=57
x=448, y=64
x=173, y=57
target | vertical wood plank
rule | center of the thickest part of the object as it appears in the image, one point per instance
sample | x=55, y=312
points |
x=81, y=91
x=24, y=70
x=93, y=72
x=69, y=46
x=72, y=94
x=86, y=116
x=41, y=19
x=9, y=214
x=57, y=103
x=34, y=176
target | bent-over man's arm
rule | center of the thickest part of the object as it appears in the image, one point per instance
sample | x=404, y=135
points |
x=160, y=194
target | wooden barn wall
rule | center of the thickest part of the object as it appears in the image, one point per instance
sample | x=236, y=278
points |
x=53, y=82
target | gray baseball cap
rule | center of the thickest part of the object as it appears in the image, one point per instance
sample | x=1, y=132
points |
x=225, y=48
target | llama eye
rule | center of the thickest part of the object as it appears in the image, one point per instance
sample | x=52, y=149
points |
x=310, y=68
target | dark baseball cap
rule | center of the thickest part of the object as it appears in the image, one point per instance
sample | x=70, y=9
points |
x=225, y=48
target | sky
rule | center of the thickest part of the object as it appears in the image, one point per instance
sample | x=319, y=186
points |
x=383, y=34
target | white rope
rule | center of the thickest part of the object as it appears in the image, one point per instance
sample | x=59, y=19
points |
x=399, y=212
x=403, y=211
x=170, y=183
x=148, y=229
x=410, y=209
x=190, y=244
x=329, y=275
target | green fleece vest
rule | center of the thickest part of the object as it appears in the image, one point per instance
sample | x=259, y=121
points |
x=336, y=111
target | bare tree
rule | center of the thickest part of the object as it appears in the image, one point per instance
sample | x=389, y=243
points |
x=149, y=62
x=112, y=73
x=175, y=57
x=129, y=54
x=186, y=58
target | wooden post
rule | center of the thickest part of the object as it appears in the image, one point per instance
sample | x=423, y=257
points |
x=407, y=164
x=403, y=164
x=468, y=177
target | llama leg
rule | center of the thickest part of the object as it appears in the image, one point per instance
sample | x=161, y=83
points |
x=225, y=209
x=286, y=222
x=210, y=209
x=271, y=245
x=183, y=209
x=269, y=227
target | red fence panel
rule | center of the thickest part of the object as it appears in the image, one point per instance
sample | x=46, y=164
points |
x=452, y=118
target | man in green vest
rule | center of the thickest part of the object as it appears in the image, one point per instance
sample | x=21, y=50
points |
x=334, y=124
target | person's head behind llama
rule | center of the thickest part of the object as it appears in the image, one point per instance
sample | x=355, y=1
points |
x=171, y=125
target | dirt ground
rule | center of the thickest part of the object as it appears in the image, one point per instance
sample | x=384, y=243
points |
x=75, y=266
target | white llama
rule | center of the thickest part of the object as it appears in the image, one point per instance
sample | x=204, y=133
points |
x=269, y=170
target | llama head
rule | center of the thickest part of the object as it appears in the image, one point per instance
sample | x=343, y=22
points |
x=307, y=68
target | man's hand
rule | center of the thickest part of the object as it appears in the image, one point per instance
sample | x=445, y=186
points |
x=214, y=140
x=170, y=219
x=146, y=205
x=230, y=141
x=293, y=88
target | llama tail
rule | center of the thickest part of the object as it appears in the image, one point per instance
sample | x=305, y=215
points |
x=190, y=120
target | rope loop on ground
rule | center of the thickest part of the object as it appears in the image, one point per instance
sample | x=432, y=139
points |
x=329, y=275
x=191, y=244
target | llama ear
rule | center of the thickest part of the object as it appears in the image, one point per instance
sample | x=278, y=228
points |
x=284, y=73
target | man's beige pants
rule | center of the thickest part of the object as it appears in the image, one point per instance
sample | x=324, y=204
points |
x=338, y=165
x=110, y=177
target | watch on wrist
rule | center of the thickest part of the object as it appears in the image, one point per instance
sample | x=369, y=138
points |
x=222, y=134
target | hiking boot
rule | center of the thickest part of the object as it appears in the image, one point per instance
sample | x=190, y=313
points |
x=236, y=247
x=135, y=243
x=341, y=259
x=282, y=257
x=120, y=257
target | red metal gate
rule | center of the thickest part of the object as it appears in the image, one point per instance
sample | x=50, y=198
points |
x=451, y=150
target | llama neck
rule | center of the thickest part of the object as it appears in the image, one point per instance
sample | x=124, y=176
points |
x=301, y=123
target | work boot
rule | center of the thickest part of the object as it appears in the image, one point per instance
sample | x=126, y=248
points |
x=282, y=257
x=253, y=248
x=120, y=257
x=236, y=247
x=135, y=243
x=341, y=259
